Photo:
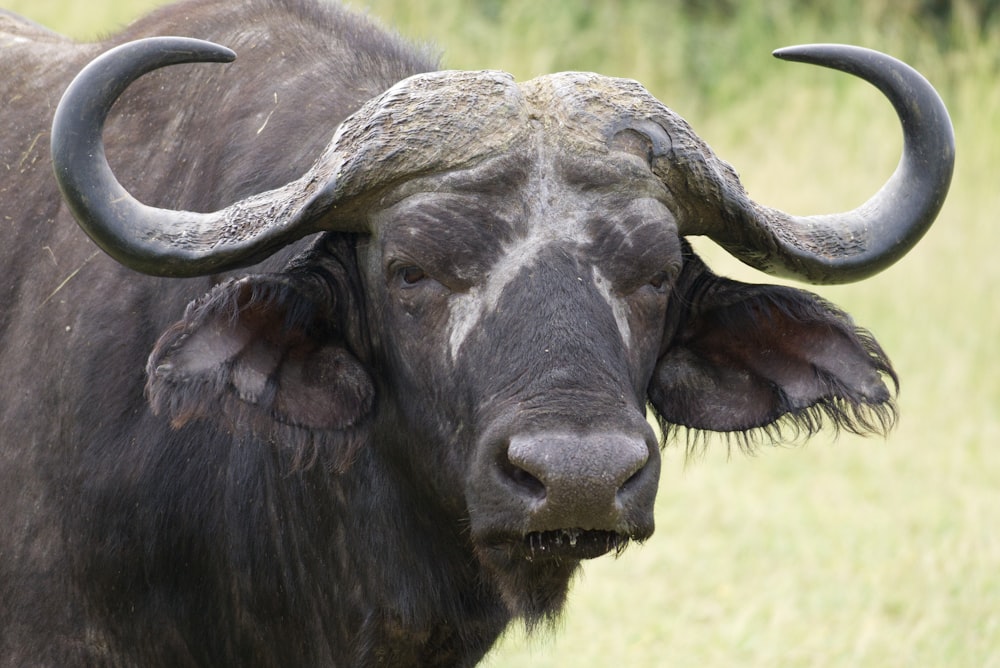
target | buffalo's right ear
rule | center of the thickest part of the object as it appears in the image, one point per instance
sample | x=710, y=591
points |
x=258, y=353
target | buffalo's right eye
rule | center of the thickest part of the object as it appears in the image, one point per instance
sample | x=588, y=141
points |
x=660, y=281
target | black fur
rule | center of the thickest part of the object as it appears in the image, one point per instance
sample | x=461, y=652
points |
x=317, y=478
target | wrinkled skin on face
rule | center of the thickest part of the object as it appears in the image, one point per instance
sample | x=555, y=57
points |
x=523, y=298
x=527, y=298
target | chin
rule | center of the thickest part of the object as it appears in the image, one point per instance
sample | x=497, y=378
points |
x=533, y=572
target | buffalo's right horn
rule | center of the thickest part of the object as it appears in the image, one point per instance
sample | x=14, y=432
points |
x=848, y=246
x=162, y=241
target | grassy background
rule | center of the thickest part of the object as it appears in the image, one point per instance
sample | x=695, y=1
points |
x=847, y=553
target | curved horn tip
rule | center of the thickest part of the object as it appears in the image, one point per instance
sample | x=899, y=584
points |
x=102, y=207
x=868, y=64
x=185, y=49
x=820, y=53
x=853, y=245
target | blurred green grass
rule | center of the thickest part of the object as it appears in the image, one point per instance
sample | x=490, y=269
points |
x=848, y=553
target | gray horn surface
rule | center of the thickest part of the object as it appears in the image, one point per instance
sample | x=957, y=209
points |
x=850, y=246
x=151, y=240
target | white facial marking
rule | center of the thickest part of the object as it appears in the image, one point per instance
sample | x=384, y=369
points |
x=618, y=306
x=550, y=224
x=467, y=309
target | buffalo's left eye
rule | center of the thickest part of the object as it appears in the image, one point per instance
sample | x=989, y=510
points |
x=411, y=275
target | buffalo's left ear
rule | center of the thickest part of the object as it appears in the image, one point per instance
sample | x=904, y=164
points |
x=742, y=357
x=258, y=352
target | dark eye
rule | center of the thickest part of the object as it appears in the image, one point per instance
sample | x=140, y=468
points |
x=660, y=281
x=411, y=275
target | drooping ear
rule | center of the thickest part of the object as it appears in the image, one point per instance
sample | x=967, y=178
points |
x=258, y=353
x=745, y=357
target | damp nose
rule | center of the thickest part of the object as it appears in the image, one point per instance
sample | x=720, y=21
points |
x=585, y=481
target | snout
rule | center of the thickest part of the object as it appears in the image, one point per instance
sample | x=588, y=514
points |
x=568, y=494
x=582, y=481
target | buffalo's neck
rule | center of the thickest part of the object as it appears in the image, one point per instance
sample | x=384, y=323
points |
x=324, y=568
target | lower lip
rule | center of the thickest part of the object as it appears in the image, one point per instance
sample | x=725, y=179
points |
x=569, y=544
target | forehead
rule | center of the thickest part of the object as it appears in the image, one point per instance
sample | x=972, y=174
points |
x=539, y=189
x=546, y=169
x=445, y=123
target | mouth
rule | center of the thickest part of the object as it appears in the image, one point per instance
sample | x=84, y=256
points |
x=574, y=544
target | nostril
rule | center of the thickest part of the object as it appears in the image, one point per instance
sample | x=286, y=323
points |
x=632, y=479
x=521, y=478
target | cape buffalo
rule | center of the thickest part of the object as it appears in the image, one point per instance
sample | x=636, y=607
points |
x=425, y=403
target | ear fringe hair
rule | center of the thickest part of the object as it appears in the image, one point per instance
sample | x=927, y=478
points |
x=792, y=428
x=842, y=409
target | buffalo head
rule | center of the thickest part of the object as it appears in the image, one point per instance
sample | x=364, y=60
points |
x=502, y=287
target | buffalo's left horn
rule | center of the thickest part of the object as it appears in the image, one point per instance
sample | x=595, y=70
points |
x=848, y=246
x=161, y=241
